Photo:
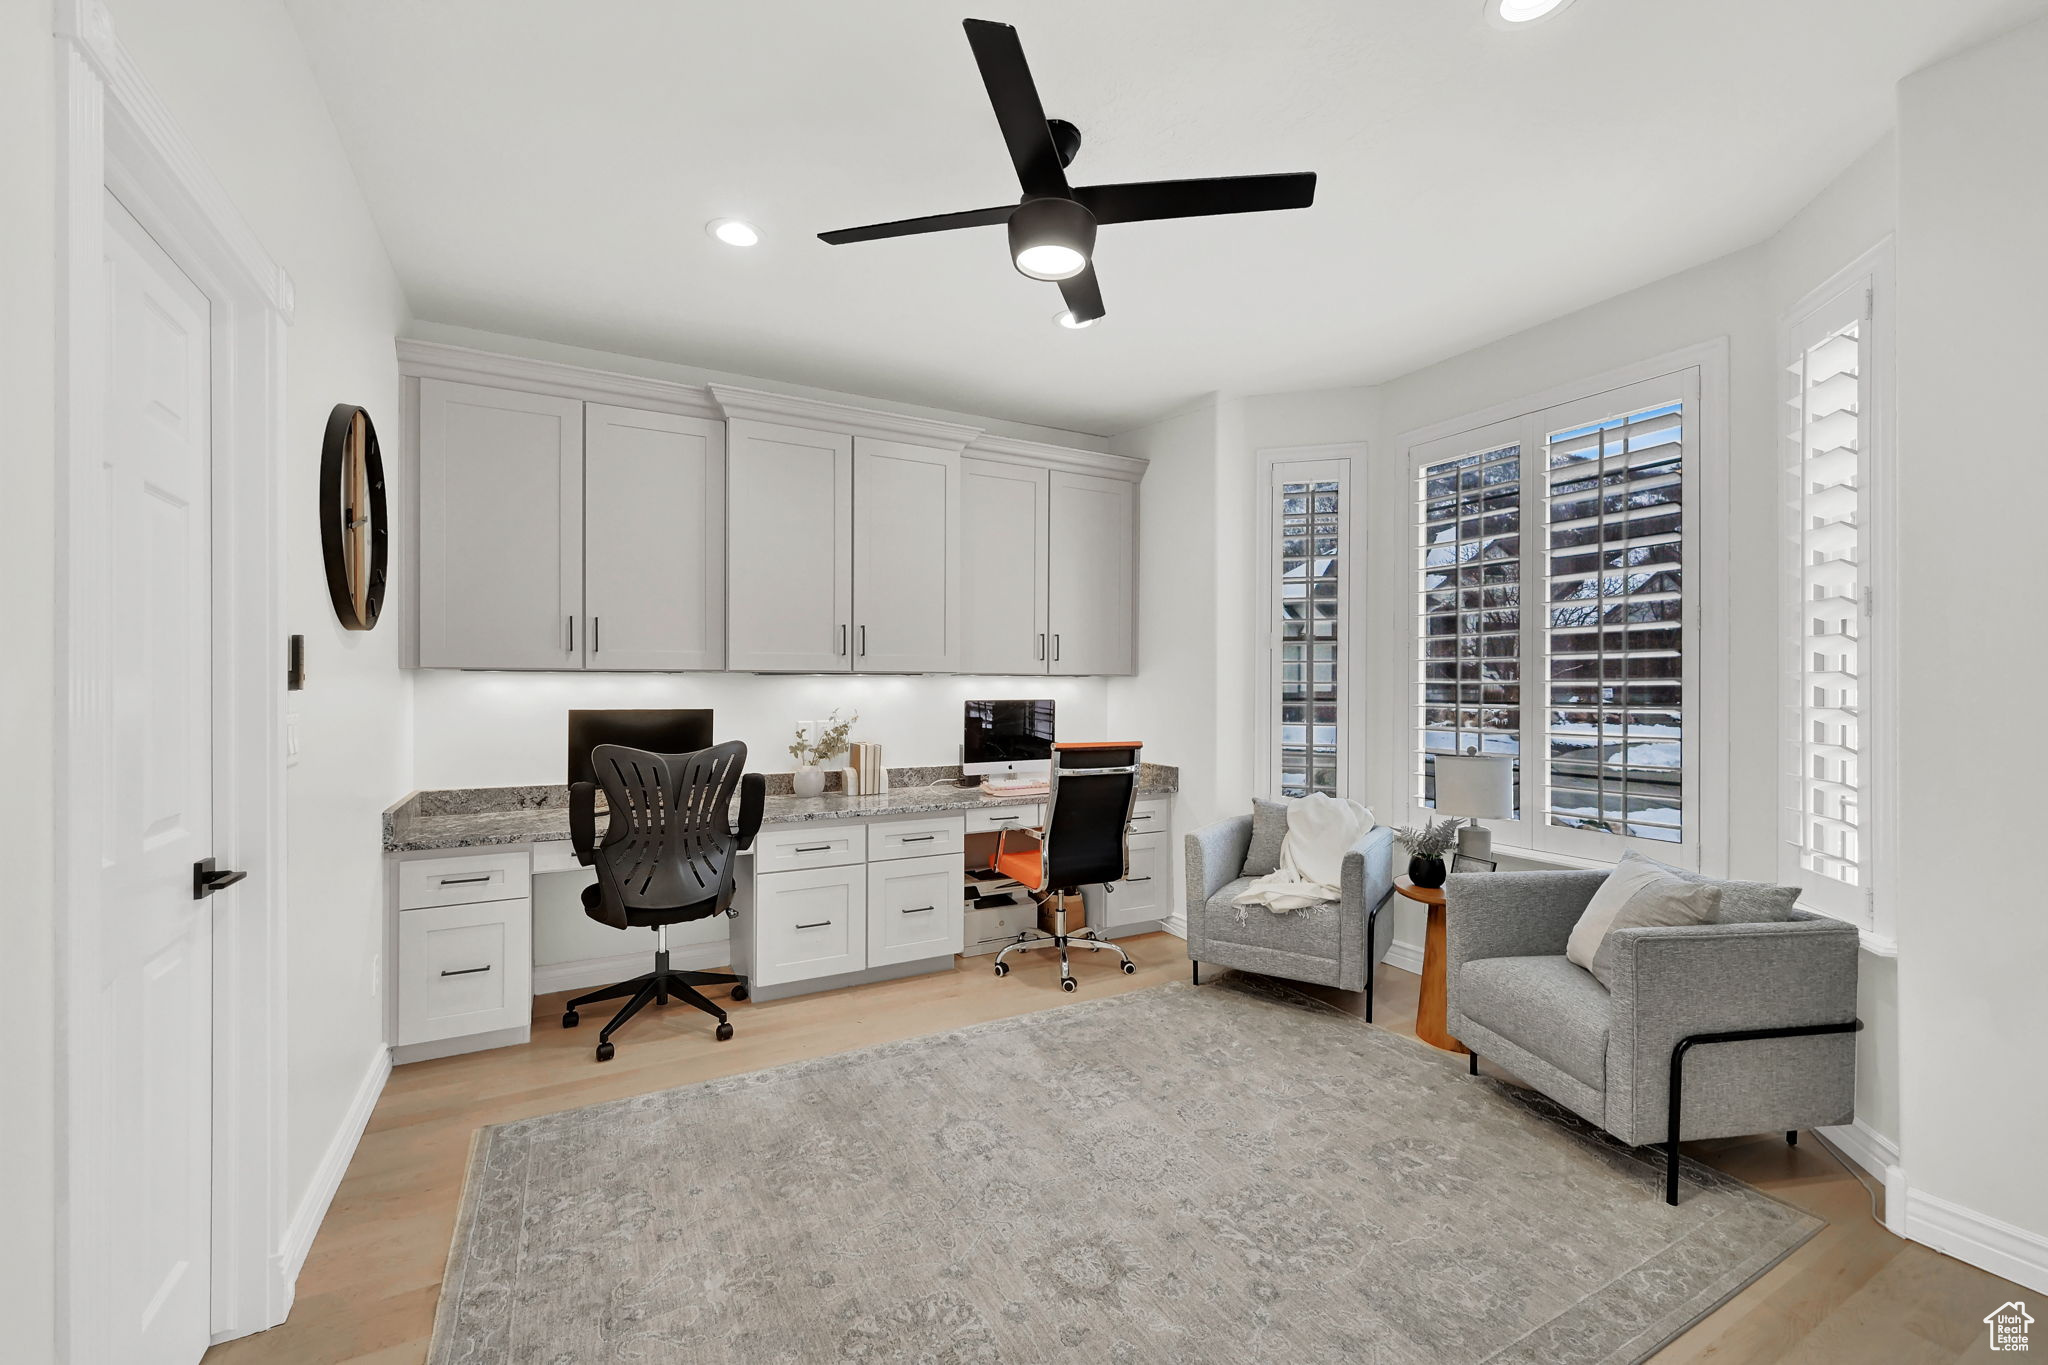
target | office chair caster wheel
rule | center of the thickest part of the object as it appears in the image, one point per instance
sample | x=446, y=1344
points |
x=739, y=992
x=1002, y=969
x=604, y=1052
x=724, y=1030
x=571, y=1019
x=1067, y=984
x=1130, y=969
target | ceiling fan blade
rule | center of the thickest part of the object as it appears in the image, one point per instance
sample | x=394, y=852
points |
x=908, y=227
x=1018, y=111
x=1142, y=199
x=1083, y=294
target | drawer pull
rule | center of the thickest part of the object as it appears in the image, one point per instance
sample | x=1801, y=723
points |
x=466, y=971
x=1004, y=819
x=1137, y=879
x=919, y=909
x=464, y=881
x=917, y=838
x=812, y=848
x=818, y=925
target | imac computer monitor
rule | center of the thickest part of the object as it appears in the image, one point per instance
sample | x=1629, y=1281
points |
x=661, y=732
x=1007, y=737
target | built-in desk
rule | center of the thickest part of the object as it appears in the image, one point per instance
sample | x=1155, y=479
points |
x=485, y=899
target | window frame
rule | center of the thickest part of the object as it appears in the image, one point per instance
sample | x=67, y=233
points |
x=1860, y=291
x=1700, y=375
x=1345, y=465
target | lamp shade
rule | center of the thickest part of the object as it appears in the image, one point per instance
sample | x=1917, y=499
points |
x=1478, y=785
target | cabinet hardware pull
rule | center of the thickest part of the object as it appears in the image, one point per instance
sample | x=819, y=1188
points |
x=863, y=642
x=464, y=881
x=813, y=848
x=1004, y=819
x=1055, y=646
x=1137, y=879
x=842, y=639
x=570, y=648
x=594, y=622
x=819, y=925
x=1041, y=646
x=919, y=910
x=466, y=971
x=917, y=838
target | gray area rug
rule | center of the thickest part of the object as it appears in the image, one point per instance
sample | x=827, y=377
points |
x=1226, y=1173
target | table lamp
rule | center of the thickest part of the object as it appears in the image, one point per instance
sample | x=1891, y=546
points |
x=1481, y=786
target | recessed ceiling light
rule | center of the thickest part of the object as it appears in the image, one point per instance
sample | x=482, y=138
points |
x=733, y=231
x=1065, y=318
x=1515, y=13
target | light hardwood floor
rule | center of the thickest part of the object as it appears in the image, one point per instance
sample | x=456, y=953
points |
x=1854, y=1294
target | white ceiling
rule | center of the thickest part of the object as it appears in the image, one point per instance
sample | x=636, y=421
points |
x=546, y=168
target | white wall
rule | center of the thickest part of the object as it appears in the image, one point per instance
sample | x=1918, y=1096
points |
x=28, y=1161
x=1973, y=932
x=235, y=78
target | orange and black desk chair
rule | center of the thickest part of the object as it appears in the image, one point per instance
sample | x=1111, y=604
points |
x=1081, y=843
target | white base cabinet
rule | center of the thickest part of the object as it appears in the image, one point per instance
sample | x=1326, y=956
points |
x=913, y=909
x=812, y=922
x=1144, y=897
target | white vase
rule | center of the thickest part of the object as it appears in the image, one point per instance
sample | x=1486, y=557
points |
x=808, y=780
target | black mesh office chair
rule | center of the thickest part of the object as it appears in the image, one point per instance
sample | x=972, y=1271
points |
x=1082, y=842
x=667, y=858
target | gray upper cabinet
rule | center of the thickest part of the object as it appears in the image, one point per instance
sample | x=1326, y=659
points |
x=1003, y=581
x=500, y=528
x=789, y=557
x=1093, y=573
x=654, y=542
x=906, y=557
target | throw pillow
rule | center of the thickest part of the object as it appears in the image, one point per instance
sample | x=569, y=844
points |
x=1664, y=900
x=1659, y=887
x=1741, y=902
x=1269, y=828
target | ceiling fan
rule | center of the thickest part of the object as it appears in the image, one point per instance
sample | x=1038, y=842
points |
x=1052, y=227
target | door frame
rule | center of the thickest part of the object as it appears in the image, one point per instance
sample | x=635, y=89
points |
x=115, y=136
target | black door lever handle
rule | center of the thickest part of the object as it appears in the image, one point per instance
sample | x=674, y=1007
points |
x=207, y=879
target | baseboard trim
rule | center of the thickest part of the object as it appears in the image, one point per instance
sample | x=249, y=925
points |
x=1983, y=1241
x=1878, y=1155
x=1176, y=925
x=591, y=972
x=1406, y=956
x=312, y=1210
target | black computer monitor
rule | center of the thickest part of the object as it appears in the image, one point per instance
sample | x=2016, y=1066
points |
x=1007, y=737
x=662, y=732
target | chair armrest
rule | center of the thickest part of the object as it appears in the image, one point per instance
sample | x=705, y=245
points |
x=753, y=800
x=583, y=821
x=1214, y=858
x=1367, y=881
x=1670, y=982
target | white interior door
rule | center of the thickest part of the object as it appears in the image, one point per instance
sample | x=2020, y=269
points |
x=156, y=982
x=654, y=539
x=906, y=557
x=1003, y=582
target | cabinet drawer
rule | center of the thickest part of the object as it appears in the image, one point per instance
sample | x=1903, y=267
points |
x=834, y=845
x=913, y=839
x=424, y=882
x=1151, y=817
x=811, y=923
x=913, y=909
x=1143, y=896
x=464, y=969
x=1004, y=817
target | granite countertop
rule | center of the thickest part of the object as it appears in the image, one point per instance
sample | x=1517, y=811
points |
x=478, y=817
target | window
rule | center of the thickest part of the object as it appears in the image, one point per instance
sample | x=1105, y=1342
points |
x=1828, y=426
x=1309, y=566
x=1554, y=622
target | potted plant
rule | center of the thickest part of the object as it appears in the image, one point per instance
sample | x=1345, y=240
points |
x=1426, y=848
x=809, y=780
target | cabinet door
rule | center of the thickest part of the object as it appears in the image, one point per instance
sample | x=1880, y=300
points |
x=1003, y=581
x=501, y=528
x=1093, y=575
x=464, y=969
x=914, y=907
x=1141, y=898
x=810, y=923
x=654, y=529
x=906, y=557
x=789, y=549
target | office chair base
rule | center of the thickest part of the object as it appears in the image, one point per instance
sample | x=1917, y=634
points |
x=1084, y=938
x=656, y=987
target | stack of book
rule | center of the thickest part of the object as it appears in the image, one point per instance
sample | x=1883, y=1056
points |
x=865, y=775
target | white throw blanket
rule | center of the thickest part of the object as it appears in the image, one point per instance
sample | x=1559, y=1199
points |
x=1320, y=831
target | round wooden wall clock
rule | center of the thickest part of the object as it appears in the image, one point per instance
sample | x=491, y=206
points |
x=354, y=536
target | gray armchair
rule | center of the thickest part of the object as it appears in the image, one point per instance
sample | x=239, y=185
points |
x=1710, y=1030
x=1326, y=945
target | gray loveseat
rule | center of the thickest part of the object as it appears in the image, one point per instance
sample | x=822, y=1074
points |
x=1754, y=1019
x=1327, y=945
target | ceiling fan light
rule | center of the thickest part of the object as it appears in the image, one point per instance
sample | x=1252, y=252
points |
x=1051, y=239
x=1065, y=318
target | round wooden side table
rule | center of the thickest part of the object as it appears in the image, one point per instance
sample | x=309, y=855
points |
x=1429, y=1006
